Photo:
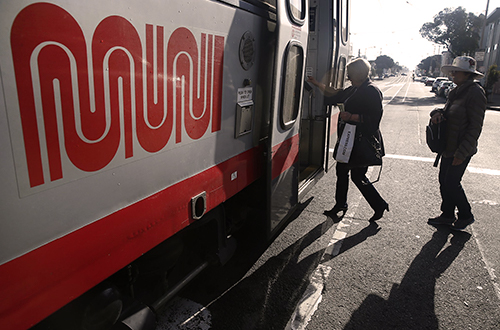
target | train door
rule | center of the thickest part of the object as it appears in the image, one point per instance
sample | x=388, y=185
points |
x=283, y=171
x=327, y=55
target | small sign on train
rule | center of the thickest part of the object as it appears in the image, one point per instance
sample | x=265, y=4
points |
x=245, y=94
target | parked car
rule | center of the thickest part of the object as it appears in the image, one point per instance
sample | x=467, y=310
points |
x=436, y=82
x=443, y=86
x=448, y=90
x=429, y=81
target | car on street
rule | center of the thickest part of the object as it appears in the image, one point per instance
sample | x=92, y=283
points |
x=436, y=82
x=441, y=88
x=429, y=81
x=449, y=89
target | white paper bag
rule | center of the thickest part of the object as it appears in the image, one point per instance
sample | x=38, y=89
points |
x=345, y=144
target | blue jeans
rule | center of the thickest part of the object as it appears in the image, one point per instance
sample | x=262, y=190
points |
x=452, y=193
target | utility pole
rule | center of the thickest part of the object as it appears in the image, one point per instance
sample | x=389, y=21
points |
x=480, y=62
x=484, y=24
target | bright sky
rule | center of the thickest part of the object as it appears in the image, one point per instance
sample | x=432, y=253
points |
x=391, y=27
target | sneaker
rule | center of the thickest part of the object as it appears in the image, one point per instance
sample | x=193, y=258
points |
x=441, y=221
x=461, y=224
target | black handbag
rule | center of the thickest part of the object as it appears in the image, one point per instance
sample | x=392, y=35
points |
x=368, y=150
x=435, y=136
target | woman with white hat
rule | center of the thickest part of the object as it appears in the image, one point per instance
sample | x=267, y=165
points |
x=464, y=116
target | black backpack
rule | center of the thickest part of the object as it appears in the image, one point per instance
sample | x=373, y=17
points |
x=435, y=135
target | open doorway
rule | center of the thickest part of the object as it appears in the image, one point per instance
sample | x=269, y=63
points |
x=327, y=57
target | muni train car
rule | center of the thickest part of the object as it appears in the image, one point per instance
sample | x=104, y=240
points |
x=137, y=137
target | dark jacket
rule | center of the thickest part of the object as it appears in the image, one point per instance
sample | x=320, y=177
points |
x=365, y=101
x=464, y=113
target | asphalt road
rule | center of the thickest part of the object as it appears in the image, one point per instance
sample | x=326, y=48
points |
x=397, y=274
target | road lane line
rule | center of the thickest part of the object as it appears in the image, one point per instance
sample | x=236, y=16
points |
x=406, y=94
x=420, y=159
x=483, y=171
x=394, y=96
x=487, y=264
x=471, y=169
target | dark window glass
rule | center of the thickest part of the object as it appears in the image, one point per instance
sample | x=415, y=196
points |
x=297, y=9
x=339, y=83
x=292, y=85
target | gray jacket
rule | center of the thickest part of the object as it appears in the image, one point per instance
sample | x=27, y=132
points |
x=464, y=113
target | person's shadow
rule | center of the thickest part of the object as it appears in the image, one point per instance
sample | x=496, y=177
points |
x=268, y=297
x=349, y=242
x=411, y=304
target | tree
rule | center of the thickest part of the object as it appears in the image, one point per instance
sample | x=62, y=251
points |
x=456, y=30
x=397, y=67
x=492, y=78
x=383, y=62
x=430, y=62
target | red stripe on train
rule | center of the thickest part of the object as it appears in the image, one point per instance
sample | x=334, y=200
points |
x=43, y=280
x=284, y=155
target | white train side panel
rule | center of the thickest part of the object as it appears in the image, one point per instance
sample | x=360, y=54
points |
x=113, y=116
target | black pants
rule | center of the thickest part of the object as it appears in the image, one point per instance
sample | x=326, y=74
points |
x=358, y=176
x=452, y=193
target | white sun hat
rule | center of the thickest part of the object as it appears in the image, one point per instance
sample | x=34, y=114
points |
x=462, y=63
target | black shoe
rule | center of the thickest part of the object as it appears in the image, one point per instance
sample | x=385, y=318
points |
x=379, y=213
x=335, y=210
x=461, y=224
x=441, y=220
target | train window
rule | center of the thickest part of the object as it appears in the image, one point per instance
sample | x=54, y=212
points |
x=345, y=21
x=292, y=85
x=297, y=11
x=339, y=82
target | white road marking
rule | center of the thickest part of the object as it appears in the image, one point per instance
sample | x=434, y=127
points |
x=486, y=202
x=483, y=171
x=487, y=264
x=406, y=94
x=384, y=104
x=420, y=159
x=471, y=169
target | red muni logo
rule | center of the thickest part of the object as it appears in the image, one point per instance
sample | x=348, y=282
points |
x=87, y=104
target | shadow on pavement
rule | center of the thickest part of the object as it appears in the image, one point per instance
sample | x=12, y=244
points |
x=411, y=303
x=267, y=298
x=371, y=230
x=347, y=243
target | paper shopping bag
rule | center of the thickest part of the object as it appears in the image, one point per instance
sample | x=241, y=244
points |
x=345, y=144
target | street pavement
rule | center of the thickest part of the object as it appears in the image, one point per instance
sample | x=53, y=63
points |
x=402, y=273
